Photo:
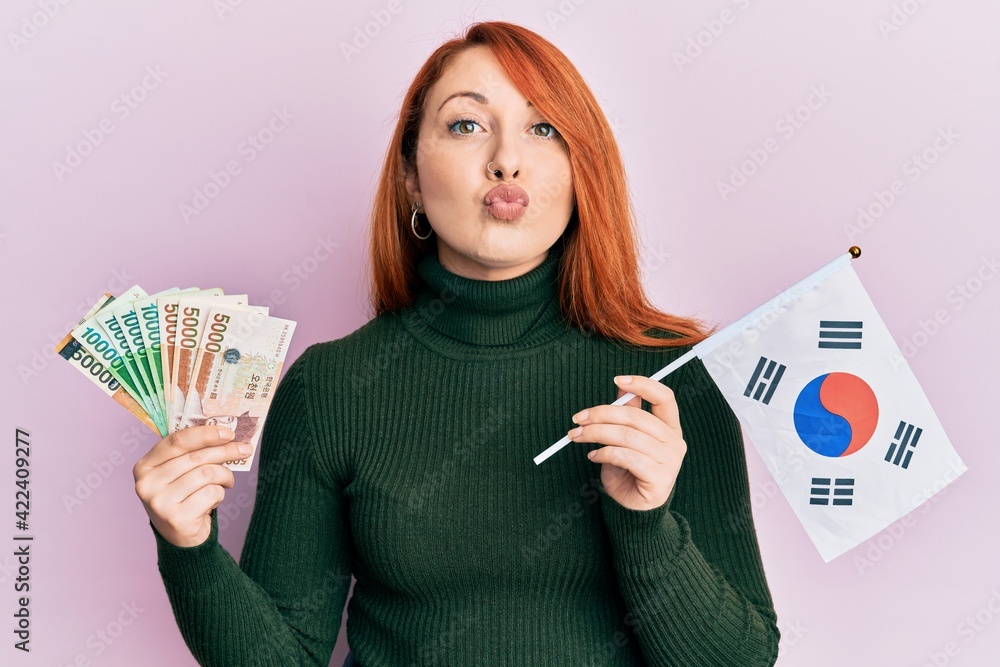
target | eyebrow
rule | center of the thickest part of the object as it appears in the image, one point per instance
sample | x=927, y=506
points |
x=479, y=97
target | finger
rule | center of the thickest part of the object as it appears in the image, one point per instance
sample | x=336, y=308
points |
x=175, y=468
x=632, y=402
x=627, y=415
x=660, y=397
x=638, y=464
x=182, y=442
x=201, y=502
x=192, y=482
x=171, y=503
x=624, y=437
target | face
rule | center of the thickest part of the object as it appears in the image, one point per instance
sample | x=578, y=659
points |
x=472, y=116
x=222, y=420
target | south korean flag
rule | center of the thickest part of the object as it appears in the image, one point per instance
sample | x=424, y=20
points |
x=825, y=395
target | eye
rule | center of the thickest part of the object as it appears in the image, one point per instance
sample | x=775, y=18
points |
x=463, y=124
x=550, y=131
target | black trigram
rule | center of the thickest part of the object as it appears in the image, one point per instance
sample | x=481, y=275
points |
x=765, y=380
x=842, y=487
x=840, y=334
x=903, y=443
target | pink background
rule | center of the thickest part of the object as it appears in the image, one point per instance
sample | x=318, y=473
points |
x=892, y=76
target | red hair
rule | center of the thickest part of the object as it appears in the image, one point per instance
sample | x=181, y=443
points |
x=600, y=289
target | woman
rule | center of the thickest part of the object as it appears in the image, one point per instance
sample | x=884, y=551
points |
x=506, y=295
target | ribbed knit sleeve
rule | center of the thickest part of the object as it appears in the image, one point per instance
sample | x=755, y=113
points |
x=696, y=593
x=282, y=604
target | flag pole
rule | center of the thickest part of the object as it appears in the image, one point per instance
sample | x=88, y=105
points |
x=726, y=334
x=623, y=399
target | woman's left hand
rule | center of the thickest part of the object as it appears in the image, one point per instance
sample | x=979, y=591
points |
x=642, y=451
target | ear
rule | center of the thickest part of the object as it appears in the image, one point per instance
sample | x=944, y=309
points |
x=411, y=180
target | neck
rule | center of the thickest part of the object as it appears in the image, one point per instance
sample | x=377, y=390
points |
x=457, y=264
x=467, y=315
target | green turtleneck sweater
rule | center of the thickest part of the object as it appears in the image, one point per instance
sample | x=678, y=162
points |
x=402, y=454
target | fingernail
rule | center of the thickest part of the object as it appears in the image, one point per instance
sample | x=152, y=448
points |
x=244, y=449
x=623, y=379
x=575, y=432
x=580, y=416
x=225, y=433
x=591, y=454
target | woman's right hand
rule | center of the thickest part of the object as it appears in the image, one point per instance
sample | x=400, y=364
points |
x=181, y=479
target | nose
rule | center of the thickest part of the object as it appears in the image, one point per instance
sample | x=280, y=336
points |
x=499, y=172
x=506, y=158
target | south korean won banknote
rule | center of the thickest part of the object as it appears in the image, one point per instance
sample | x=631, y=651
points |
x=99, y=370
x=192, y=315
x=235, y=373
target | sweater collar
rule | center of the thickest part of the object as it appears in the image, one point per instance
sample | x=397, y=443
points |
x=466, y=315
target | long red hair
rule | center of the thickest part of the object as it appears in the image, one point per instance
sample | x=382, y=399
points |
x=600, y=289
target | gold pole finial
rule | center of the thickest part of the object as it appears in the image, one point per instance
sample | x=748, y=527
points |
x=855, y=251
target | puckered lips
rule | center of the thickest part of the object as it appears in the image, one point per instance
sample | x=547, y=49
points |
x=506, y=202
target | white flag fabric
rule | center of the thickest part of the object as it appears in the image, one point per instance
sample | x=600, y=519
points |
x=823, y=392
